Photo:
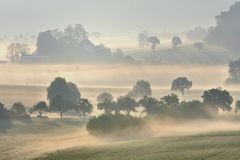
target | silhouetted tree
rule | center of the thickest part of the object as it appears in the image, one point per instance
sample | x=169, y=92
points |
x=218, y=99
x=193, y=109
x=104, y=97
x=141, y=89
x=40, y=107
x=5, y=119
x=85, y=106
x=16, y=50
x=74, y=94
x=226, y=33
x=181, y=84
x=176, y=41
x=75, y=34
x=234, y=72
x=59, y=105
x=108, y=106
x=170, y=100
x=19, y=109
x=127, y=104
x=151, y=105
x=67, y=90
x=154, y=41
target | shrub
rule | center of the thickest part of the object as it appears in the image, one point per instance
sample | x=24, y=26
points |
x=109, y=123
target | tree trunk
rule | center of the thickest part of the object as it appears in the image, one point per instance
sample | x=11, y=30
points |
x=84, y=115
x=61, y=115
x=40, y=114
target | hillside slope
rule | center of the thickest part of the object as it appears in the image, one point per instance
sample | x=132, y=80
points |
x=224, y=145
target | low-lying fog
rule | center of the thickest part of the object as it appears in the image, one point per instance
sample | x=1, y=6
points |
x=116, y=79
x=113, y=75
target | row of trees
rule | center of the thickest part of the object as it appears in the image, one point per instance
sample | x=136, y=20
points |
x=213, y=101
x=16, y=112
x=144, y=40
x=143, y=88
x=64, y=96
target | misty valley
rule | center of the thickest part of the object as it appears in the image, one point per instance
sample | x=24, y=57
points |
x=119, y=80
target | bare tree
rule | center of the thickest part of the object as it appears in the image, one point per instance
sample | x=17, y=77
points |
x=16, y=50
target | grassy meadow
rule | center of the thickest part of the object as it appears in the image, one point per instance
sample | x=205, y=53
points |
x=214, y=146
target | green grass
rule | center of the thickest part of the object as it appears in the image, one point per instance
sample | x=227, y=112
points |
x=217, y=146
x=25, y=141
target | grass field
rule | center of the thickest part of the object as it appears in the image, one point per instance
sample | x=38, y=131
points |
x=26, y=141
x=67, y=139
x=214, y=146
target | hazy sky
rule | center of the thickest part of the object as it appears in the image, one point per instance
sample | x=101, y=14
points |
x=108, y=16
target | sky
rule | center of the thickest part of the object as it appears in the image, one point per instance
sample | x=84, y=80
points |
x=113, y=17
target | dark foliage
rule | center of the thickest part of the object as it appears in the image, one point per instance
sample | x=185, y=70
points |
x=5, y=119
x=109, y=123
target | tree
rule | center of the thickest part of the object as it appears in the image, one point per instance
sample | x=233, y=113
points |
x=19, y=109
x=154, y=41
x=108, y=106
x=127, y=104
x=226, y=33
x=193, y=109
x=170, y=100
x=5, y=119
x=176, y=41
x=234, y=72
x=59, y=105
x=151, y=105
x=237, y=107
x=85, y=106
x=75, y=34
x=143, y=38
x=181, y=84
x=40, y=107
x=104, y=97
x=16, y=50
x=67, y=90
x=218, y=99
x=141, y=89
x=74, y=94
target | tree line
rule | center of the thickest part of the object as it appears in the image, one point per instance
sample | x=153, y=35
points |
x=64, y=96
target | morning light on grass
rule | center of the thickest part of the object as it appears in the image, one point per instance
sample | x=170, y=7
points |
x=120, y=80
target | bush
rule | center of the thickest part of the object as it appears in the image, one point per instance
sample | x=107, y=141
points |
x=109, y=123
x=5, y=119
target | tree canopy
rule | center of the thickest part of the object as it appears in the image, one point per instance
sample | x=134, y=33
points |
x=181, y=84
x=67, y=90
x=151, y=105
x=85, y=106
x=40, y=107
x=176, y=41
x=104, y=97
x=59, y=105
x=154, y=41
x=217, y=98
x=170, y=100
x=141, y=89
x=19, y=109
x=126, y=104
